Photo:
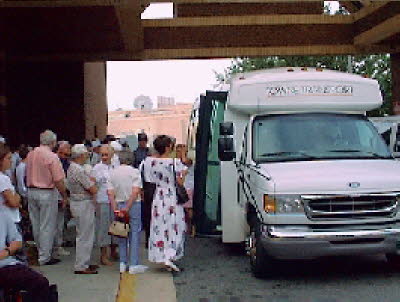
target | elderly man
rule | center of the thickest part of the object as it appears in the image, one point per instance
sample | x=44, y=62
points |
x=82, y=188
x=44, y=172
x=14, y=274
x=63, y=153
x=101, y=173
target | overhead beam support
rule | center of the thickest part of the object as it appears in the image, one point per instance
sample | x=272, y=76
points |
x=367, y=10
x=128, y=15
x=249, y=20
x=349, y=6
x=380, y=32
x=229, y=52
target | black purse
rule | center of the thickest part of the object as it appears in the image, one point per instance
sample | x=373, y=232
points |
x=181, y=193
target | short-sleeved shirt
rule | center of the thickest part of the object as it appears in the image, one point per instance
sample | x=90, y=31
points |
x=101, y=172
x=21, y=179
x=8, y=234
x=43, y=168
x=122, y=180
x=5, y=184
x=78, y=183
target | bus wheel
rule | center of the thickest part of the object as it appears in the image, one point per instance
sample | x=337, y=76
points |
x=261, y=264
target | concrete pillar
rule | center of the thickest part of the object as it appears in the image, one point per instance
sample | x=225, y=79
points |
x=395, y=68
x=95, y=100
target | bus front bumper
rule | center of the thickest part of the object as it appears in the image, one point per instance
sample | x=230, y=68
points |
x=291, y=243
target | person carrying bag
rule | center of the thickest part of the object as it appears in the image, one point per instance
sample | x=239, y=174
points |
x=124, y=195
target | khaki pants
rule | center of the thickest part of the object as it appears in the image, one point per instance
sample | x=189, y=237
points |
x=42, y=206
x=83, y=212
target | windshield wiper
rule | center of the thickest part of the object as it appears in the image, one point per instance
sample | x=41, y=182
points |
x=375, y=155
x=288, y=153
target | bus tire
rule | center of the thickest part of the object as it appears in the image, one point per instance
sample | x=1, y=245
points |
x=261, y=263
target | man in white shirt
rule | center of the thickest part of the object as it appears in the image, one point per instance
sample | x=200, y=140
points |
x=101, y=174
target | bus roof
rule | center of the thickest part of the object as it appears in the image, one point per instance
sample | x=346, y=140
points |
x=302, y=89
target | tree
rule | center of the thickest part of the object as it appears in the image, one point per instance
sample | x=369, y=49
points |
x=374, y=66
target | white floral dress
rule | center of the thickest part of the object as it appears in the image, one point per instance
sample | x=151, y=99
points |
x=168, y=227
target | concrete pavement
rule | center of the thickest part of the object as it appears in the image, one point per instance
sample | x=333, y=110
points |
x=109, y=285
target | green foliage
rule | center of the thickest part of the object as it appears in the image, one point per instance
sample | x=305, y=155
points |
x=374, y=66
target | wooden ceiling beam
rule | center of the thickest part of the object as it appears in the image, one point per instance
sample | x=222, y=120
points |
x=248, y=20
x=379, y=32
x=349, y=6
x=228, y=1
x=128, y=15
x=230, y=52
x=367, y=10
x=59, y=3
x=207, y=53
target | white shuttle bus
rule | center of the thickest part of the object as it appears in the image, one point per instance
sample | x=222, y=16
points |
x=303, y=172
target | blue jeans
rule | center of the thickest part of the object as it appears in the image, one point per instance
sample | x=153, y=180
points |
x=132, y=243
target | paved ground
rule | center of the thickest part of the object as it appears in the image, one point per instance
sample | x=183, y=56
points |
x=102, y=287
x=217, y=273
x=156, y=285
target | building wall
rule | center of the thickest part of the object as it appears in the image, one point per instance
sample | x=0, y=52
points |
x=95, y=100
x=44, y=95
x=171, y=120
x=68, y=98
x=3, y=99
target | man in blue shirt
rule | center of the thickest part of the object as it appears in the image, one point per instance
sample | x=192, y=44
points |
x=13, y=273
x=142, y=150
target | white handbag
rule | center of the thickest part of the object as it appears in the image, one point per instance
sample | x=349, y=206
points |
x=119, y=229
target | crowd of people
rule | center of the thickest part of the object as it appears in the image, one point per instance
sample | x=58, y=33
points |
x=93, y=184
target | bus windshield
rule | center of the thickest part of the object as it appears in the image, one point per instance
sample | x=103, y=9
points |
x=314, y=136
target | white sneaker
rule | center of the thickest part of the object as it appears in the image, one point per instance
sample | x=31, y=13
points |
x=122, y=267
x=142, y=267
x=62, y=252
x=137, y=269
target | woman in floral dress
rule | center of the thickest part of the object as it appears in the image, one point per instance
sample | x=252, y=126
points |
x=167, y=228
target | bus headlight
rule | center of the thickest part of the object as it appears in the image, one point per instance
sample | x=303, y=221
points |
x=283, y=203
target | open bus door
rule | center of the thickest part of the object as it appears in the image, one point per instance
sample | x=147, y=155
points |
x=207, y=197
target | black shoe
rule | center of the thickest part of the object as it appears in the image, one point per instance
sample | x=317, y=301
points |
x=52, y=261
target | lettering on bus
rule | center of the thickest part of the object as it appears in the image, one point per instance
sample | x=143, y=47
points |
x=312, y=90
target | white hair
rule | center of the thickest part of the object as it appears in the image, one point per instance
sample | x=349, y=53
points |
x=77, y=150
x=47, y=138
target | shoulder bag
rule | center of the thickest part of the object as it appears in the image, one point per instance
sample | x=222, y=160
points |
x=181, y=193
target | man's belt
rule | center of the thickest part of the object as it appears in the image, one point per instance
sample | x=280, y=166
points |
x=40, y=188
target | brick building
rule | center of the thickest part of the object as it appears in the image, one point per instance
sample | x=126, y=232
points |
x=170, y=119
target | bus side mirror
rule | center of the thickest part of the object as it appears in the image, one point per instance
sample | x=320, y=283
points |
x=226, y=128
x=226, y=150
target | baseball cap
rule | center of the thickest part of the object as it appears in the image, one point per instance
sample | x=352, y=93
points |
x=142, y=137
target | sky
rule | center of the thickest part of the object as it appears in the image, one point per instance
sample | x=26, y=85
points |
x=184, y=80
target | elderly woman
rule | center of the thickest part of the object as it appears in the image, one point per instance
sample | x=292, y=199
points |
x=101, y=173
x=9, y=200
x=82, y=208
x=125, y=200
x=168, y=226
